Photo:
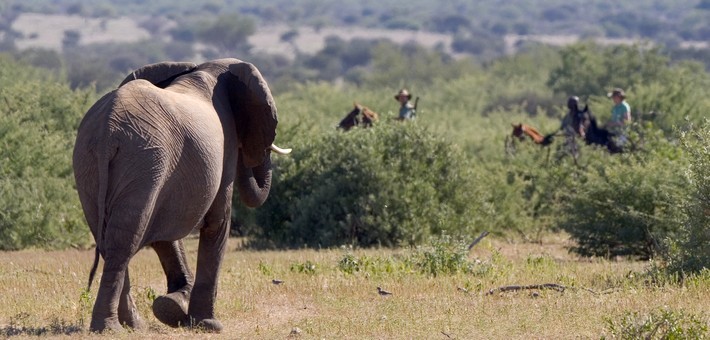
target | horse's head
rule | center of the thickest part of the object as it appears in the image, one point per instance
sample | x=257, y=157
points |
x=580, y=119
x=517, y=130
x=350, y=119
x=368, y=116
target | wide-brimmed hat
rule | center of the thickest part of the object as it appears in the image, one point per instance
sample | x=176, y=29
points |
x=617, y=92
x=403, y=92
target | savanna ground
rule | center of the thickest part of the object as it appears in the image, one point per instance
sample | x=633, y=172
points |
x=41, y=292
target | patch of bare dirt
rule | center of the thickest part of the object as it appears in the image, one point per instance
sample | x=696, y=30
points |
x=47, y=30
x=309, y=40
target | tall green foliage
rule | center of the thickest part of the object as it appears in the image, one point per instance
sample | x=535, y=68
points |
x=38, y=120
x=391, y=185
x=412, y=65
x=690, y=252
x=585, y=71
x=628, y=204
x=664, y=95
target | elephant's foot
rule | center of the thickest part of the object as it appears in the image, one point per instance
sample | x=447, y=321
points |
x=134, y=322
x=101, y=325
x=171, y=309
x=207, y=325
x=128, y=315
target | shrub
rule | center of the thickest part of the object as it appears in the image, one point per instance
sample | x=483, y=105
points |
x=38, y=119
x=443, y=256
x=660, y=324
x=626, y=205
x=390, y=185
x=690, y=252
x=585, y=71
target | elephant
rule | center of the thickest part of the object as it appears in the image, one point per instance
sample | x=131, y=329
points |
x=156, y=159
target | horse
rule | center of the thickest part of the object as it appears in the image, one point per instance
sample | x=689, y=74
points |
x=601, y=136
x=585, y=121
x=521, y=130
x=351, y=119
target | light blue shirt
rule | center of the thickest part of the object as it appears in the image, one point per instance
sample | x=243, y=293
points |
x=407, y=111
x=618, y=112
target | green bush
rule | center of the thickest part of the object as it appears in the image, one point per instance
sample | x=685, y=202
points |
x=660, y=324
x=690, y=252
x=443, y=256
x=587, y=71
x=627, y=204
x=395, y=184
x=39, y=206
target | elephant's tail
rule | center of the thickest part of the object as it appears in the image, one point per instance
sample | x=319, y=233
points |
x=103, y=158
x=93, y=269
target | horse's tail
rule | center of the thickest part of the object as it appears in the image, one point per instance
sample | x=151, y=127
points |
x=548, y=139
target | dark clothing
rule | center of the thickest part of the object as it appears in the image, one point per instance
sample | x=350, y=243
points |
x=576, y=122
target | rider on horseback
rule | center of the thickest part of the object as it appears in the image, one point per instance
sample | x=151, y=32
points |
x=576, y=121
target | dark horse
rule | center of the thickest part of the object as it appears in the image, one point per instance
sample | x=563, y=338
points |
x=601, y=136
x=593, y=134
x=351, y=119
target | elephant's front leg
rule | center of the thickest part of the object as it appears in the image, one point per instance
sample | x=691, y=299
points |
x=213, y=238
x=171, y=309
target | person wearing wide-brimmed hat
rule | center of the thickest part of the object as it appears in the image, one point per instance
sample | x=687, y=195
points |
x=406, y=110
x=620, y=114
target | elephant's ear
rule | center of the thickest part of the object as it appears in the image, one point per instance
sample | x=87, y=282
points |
x=255, y=112
x=160, y=74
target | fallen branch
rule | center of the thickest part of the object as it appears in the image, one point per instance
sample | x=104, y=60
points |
x=478, y=239
x=554, y=286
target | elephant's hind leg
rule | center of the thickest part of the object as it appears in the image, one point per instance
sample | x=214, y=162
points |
x=105, y=314
x=171, y=309
x=121, y=239
x=213, y=239
x=127, y=311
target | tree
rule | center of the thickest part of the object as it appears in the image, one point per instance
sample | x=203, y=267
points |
x=690, y=252
x=71, y=39
x=704, y=5
x=229, y=33
x=38, y=121
x=587, y=71
x=451, y=24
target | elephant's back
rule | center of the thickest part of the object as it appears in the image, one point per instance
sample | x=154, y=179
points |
x=158, y=156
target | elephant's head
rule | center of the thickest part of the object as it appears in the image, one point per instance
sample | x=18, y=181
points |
x=255, y=113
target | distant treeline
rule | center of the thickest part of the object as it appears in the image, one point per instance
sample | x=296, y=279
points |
x=663, y=20
x=222, y=28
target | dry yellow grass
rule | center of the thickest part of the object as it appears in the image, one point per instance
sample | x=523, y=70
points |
x=40, y=290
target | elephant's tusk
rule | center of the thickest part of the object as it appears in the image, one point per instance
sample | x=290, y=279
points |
x=279, y=150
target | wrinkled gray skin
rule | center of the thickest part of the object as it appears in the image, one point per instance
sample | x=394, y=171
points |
x=158, y=158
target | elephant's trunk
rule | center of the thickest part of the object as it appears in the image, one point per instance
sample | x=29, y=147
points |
x=254, y=183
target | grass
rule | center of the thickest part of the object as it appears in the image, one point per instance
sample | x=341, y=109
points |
x=41, y=294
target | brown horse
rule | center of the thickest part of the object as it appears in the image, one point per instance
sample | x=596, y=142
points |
x=351, y=119
x=521, y=130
